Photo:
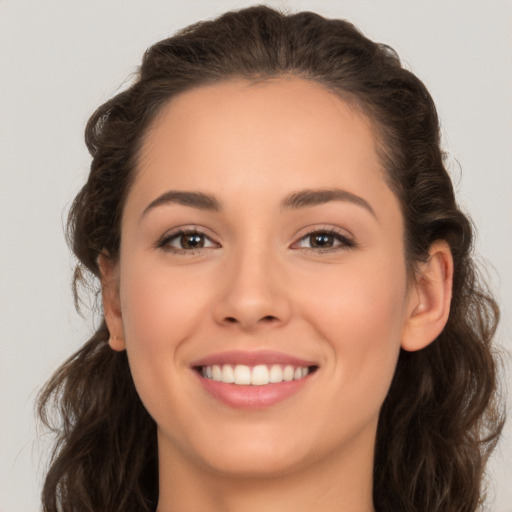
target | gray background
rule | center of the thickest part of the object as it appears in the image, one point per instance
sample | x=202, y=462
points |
x=60, y=59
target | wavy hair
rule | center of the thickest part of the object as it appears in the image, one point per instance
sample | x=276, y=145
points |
x=441, y=417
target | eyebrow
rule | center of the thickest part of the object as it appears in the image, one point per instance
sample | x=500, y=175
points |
x=302, y=199
x=193, y=199
x=312, y=197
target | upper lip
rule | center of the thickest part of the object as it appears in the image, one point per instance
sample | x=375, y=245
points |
x=252, y=358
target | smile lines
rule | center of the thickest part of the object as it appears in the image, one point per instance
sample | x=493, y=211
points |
x=258, y=375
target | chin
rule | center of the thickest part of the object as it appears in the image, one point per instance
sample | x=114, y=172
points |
x=259, y=453
x=253, y=464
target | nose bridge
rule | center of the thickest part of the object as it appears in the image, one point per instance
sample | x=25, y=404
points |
x=253, y=291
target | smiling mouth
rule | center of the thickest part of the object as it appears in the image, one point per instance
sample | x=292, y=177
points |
x=258, y=375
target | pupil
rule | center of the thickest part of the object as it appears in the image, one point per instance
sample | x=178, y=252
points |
x=192, y=241
x=322, y=240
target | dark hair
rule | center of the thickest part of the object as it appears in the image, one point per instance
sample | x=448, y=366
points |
x=440, y=419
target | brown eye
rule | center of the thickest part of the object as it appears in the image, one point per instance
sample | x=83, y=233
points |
x=192, y=241
x=186, y=241
x=324, y=240
x=321, y=240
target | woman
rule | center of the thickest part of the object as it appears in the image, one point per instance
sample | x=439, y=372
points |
x=292, y=318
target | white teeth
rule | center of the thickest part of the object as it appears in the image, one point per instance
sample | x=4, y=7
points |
x=242, y=374
x=258, y=375
x=216, y=372
x=276, y=374
x=228, y=375
x=288, y=373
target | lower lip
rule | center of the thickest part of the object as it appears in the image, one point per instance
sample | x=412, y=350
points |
x=252, y=397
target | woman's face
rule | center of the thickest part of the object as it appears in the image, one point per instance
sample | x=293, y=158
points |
x=261, y=241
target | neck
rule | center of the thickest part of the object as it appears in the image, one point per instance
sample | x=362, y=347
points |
x=340, y=482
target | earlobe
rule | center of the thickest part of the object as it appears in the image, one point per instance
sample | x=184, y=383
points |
x=116, y=343
x=109, y=271
x=429, y=303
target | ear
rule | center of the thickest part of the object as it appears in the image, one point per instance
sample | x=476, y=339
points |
x=109, y=271
x=430, y=297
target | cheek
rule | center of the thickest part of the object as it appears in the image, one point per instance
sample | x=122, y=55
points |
x=159, y=305
x=360, y=316
x=363, y=295
x=161, y=310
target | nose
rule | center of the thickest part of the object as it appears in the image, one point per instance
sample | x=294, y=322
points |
x=254, y=293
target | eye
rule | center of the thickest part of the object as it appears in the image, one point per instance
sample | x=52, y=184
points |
x=324, y=240
x=186, y=241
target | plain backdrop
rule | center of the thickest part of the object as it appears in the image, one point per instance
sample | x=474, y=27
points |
x=61, y=59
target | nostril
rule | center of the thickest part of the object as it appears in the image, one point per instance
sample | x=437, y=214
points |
x=265, y=319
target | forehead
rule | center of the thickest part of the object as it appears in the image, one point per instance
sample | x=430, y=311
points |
x=295, y=109
x=285, y=115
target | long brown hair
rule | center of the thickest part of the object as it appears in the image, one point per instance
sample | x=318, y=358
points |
x=440, y=419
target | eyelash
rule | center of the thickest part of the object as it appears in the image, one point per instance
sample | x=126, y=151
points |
x=344, y=242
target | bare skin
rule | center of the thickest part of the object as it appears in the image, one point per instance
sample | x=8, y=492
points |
x=267, y=262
